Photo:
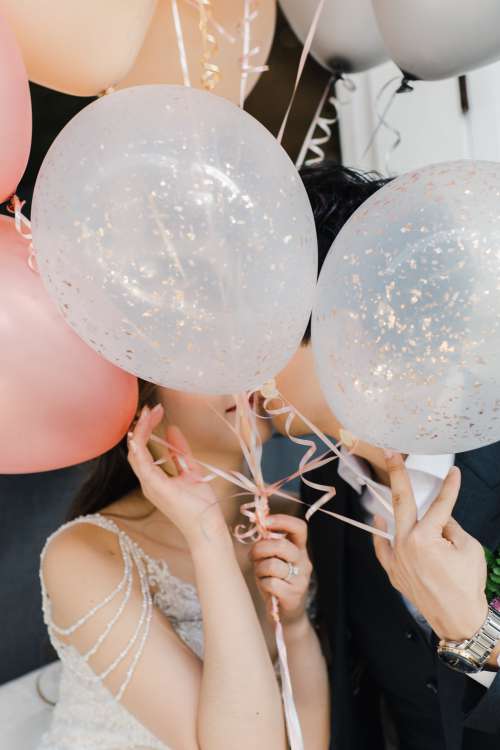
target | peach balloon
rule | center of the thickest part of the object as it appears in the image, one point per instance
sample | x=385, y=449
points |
x=15, y=109
x=80, y=47
x=60, y=402
x=159, y=62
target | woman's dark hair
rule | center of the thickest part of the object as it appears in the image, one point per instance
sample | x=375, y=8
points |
x=335, y=193
x=111, y=476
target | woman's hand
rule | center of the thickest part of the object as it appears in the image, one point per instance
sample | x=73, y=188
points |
x=282, y=567
x=186, y=500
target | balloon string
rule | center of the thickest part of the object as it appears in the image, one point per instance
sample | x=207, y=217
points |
x=250, y=13
x=257, y=510
x=213, y=22
x=324, y=122
x=307, y=464
x=180, y=43
x=23, y=227
x=382, y=122
x=271, y=393
x=210, y=76
x=106, y=92
x=302, y=62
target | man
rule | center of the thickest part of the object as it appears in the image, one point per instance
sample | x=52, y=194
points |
x=384, y=608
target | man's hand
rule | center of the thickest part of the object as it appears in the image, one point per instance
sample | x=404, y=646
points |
x=434, y=563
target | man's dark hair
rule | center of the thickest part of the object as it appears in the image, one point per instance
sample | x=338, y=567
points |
x=335, y=193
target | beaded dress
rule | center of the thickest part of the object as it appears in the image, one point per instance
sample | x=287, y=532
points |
x=87, y=716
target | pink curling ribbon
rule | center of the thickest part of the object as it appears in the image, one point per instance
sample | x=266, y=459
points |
x=213, y=22
x=210, y=76
x=302, y=62
x=271, y=393
x=23, y=227
x=257, y=511
x=250, y=13
x=180, y=43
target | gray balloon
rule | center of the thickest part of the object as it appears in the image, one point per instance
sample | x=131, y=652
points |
x=406, y=323
x=347, y=39
x=435, y=39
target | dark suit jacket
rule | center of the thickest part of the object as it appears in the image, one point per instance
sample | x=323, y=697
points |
x=380, y=658
x=32, y=506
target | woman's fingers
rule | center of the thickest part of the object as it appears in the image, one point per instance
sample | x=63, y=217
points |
x=148, y=420
x=182, y=455
x=295, y=528
x=283, y=549
x=139, y=455
x=273, y=567
x=275, y=587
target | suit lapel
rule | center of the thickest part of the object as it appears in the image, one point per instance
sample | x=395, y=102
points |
x=478, y=505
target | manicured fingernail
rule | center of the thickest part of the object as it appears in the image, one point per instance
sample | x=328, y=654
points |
x=132, y=446
x=388, y=454
x=130, y=435
x=156, y=409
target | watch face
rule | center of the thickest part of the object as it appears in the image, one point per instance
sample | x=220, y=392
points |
x=460, y=663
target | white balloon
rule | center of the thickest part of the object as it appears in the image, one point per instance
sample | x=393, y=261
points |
x=406, y=324
x=177, y=238
x=347, y=39
x=432, y=39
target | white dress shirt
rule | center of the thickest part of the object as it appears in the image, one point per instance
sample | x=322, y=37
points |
x=426, y=475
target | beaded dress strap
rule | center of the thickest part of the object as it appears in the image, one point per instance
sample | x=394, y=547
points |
x=131, y=554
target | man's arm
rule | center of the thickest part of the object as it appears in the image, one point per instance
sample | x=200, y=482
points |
x=442, y=570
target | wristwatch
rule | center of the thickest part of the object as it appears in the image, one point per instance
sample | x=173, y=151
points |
x=471, y=655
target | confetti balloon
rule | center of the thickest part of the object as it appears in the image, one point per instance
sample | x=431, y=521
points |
x=177, y=238
x=406, y=325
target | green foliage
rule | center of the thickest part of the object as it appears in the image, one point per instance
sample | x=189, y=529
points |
x=493, y=580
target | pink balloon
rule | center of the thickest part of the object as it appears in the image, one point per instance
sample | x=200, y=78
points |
x=60, y=402
x=15, y=113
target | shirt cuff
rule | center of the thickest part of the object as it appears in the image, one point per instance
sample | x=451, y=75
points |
x=484, y=678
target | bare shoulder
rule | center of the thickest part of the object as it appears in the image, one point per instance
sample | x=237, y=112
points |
x=81, y=563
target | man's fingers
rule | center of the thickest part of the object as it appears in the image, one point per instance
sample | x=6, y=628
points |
x=454, y=533
x=440, y=511
x=403, y=501
x=383, y=549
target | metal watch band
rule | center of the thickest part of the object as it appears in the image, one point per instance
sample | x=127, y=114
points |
x=481, y=646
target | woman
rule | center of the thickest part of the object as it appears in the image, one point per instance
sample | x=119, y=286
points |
x=160, y=619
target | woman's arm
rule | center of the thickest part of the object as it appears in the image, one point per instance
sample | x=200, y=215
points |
x=239, y=700
x=310, y=682
x=229, y=701
x=308, y=671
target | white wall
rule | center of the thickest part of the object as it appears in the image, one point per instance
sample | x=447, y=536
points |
x=430, y=121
